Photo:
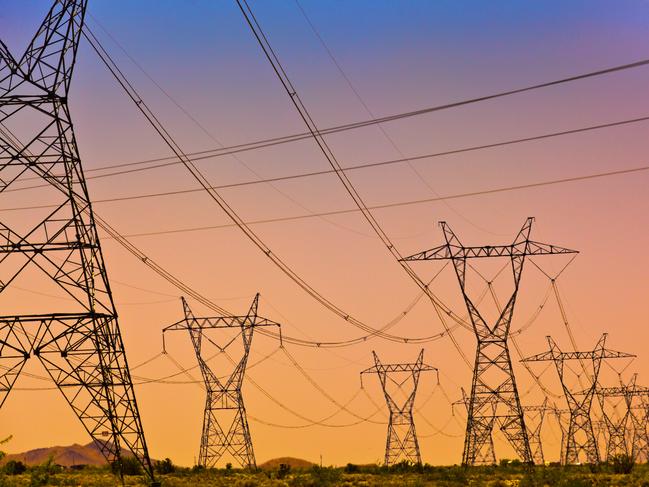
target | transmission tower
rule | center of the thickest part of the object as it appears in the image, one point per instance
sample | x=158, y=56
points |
x=487, y=454
x=402, y=441
x=579, y=437
x=225, y=425
x=536, y=414
x=559, y=414
x=620, y=425
x=493, y=377
x=640, y=437
x=58, y=250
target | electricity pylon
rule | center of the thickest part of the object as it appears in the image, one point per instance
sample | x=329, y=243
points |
x=640, y=437
x=536, y=414
x=487, y=453
x=493, y=382
x=620, y=425
x=559, y=414
x=402, y=441
x=225, y=425
x=580, y=437
x=57, y=248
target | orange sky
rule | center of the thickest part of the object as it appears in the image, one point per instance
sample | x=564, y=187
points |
x=398, y=58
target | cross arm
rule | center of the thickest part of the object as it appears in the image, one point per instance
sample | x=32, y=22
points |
x=443, y=252
x=551, y=355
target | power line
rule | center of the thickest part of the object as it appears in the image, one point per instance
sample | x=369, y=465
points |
x=469, y=194
x=342, y=176
x=253, y=237
x=269, y=142
x=347, y=169
x=380, y=127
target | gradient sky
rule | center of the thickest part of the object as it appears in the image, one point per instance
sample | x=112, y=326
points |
x=400, y=56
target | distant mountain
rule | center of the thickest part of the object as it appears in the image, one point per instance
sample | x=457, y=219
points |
x=67, y=456
x=293, y=462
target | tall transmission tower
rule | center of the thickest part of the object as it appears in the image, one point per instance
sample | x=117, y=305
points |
x=580, y=437
x=487, y=454
x=619, y=424
x=225, y=425
x=402, y=441
x=559, y=415
x=493, y=382
x=640, y=437
x=536, y=415
x=77, y=338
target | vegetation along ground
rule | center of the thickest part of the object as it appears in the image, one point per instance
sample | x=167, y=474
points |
x=617, y=473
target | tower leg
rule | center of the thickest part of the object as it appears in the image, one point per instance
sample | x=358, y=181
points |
x=494, y=394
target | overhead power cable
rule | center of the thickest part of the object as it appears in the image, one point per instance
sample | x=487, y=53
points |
x=269, y=142
x=354, y=167
x=470, y=194
x=229, y=211
x=293, y=95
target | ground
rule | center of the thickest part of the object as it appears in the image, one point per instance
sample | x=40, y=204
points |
x=350, y=476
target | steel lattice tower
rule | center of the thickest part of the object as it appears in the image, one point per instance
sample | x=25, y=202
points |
x=537, y=414
x=58, y=248
x=402, y=443
x=621, y=426
x=579, y=437
x=493, y=384
x=559, y=414
x=487, y=452
x=640, y=438
x=225, y=425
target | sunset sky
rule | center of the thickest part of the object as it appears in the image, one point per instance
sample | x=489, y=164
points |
x=199, y=68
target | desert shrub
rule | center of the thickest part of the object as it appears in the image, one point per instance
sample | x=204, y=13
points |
x=40, y=475
x=283, y=470
x=351, y=468
x=621, y=464
x=164, y=467
x=452, y=474
x=129, y=466
x=14, y=467
x=405, y=466
x=324, y=476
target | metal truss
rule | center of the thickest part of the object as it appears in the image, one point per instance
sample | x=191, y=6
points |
x=620, y=426
x=401, y=444
x=579, y=437
x=536, y=415
x=559, y=414
x=487, y=454
x=225, y=425
x=78, y=338
x=494, y=393
x=640, y=436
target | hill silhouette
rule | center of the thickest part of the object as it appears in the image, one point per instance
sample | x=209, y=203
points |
x=66, y=456
x=293, y=462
